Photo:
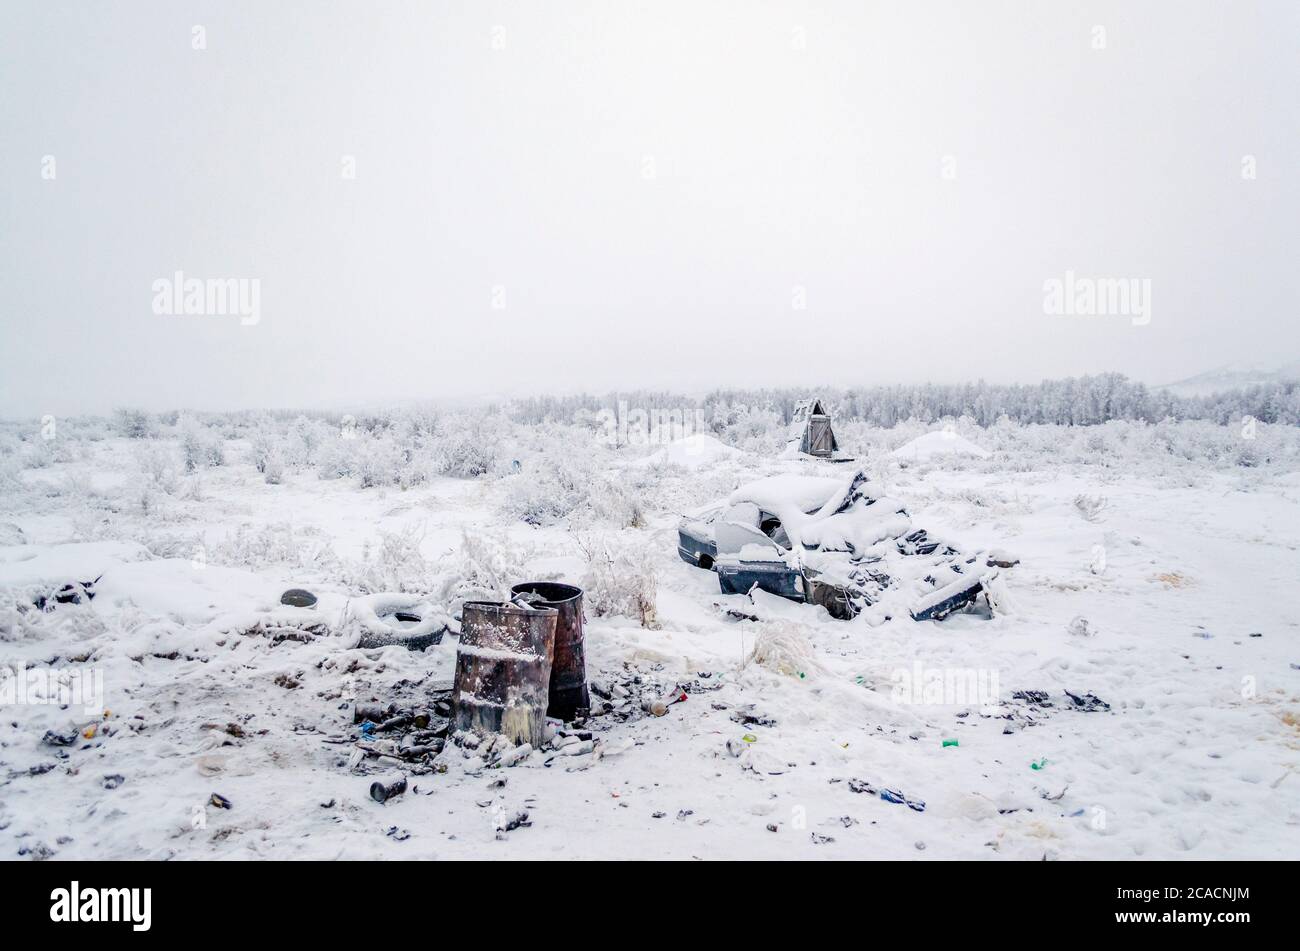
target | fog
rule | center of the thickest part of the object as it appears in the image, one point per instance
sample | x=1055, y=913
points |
x=466, y=200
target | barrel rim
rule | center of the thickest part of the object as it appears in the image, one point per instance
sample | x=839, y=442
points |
x=506, y=607
x=530, y=587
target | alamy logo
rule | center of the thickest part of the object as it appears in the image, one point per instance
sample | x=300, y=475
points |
x=103, y=904
x=181, y=296
x=1098, y=297
x=635, y=426
x=957, y=686
x=53, y=686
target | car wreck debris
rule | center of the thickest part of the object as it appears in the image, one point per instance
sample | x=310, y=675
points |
x=841, y=544
x=503, y=670
x=75, y=592
x=569, y=696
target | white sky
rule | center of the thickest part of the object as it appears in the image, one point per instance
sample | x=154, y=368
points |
x=775, y=167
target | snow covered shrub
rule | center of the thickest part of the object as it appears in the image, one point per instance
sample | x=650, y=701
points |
x=463, y=457
x=133, y=423
x=620, y=580
x=557, y=487
x=21, y=620
x=77, y=485
x=278, y=543
x=305, y=437
x=272, y=468
x=158, y=466
x=758, y=429
x=372, y=460
x=263, y=441
x=200, y=446
x=482, y=569
x=548, y=491
x=468, y=445
x=785, y=649
x=396, y=565
x=377, y=462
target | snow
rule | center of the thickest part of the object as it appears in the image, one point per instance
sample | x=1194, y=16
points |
x=691, y=452
x=942, y=442
x=785, y=494
x=1196, y=757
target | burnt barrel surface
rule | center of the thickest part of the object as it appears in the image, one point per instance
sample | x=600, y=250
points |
x=503, y=670
x=569, y=694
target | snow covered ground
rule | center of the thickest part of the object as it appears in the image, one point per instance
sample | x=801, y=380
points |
x=1156, y=582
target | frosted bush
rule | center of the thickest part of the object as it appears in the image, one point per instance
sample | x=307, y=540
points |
x=557, y=487
x=620, y=580
x=373, y=461
x=304, y=439
x=200, y=446
x=462, y=456
x=278, y=543
x=263, y=443
x=272, y=468
x=159, y=467
x=395, y=564
x=483, y=569
x=133, y=423
x=785, y=649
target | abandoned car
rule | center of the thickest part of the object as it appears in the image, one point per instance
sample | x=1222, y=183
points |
x=840, y=543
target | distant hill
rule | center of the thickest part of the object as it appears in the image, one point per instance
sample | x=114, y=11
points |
x=1233, y=376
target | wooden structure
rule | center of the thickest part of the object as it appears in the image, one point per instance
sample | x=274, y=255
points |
x=811, y=426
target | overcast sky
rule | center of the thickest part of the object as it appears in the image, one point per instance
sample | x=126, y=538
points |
x=557, y=196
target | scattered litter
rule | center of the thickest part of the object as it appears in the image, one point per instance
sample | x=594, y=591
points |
x=220, y=801
x=514, y=757
x=1080, y=627
x=1087, y=703
x=514, y=821
x=896, y=797
x=382, y=791
x=746, y=716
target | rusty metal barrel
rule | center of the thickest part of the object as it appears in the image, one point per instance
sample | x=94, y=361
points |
x=569, y=695
x=503, y=670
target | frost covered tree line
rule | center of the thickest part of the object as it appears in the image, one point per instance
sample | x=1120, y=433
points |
x=1073, y=401
x=556, y=451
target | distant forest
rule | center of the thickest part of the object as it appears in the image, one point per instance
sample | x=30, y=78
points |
x=1075, y=401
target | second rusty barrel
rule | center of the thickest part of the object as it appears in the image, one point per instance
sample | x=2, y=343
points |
x=569, y=695
x=503, y=670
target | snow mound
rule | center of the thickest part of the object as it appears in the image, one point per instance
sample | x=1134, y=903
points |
x=691, y=452
x=942, y=442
